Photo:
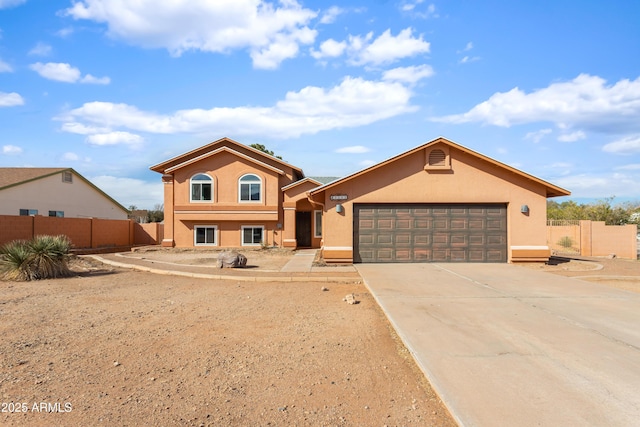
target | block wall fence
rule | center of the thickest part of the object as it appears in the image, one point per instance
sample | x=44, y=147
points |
x=84, y=233
x=593, y=238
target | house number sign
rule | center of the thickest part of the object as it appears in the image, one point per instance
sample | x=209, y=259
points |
x=338, y=197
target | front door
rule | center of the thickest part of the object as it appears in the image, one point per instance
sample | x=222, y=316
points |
x=303, y=229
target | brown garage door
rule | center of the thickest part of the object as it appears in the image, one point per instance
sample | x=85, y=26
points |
x=430, y=233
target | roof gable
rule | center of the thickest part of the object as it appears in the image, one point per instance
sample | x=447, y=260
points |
x=551, y=190
x=13, y=177
x=10, y=177
x=219, y=150
x=256, y=156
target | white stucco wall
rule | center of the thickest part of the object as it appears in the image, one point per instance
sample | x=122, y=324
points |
x=76, y=199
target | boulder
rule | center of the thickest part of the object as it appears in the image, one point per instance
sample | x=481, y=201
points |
x=231, y=259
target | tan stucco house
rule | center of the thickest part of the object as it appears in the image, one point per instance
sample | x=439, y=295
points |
x=59, y=192
x=437, y=202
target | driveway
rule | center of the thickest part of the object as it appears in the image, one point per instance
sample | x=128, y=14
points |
x=506, y=345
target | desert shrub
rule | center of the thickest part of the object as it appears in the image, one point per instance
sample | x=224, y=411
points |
x=566, y=242
x=43, y=257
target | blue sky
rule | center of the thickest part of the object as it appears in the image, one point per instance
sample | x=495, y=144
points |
x=111, y=87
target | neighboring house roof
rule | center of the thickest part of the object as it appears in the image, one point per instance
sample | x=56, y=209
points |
x=11, y=177
x=301, y=181
x=324, y=179
x=551, y=190
x=210, y=149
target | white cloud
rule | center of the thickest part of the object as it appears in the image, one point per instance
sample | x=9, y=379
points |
x=63, y=72
x=71, y=157
x=331, y=14
x=412, y=7
x=10, y=99
x=354, y=102
x=627, y=145
x=281, y=48
x=4, y=67
x=385, y=49
x=367, y=163
x=129, y=191
x=355, y=149
x=41, y=49
x=634, y=166
x=537, y=135
x=572, y=137
x=329, y=49
x=410, y=75
x=114, y=138
x=4, y=4
x=95, y=80
x=271, y=32
x=467, y=59
x=11, y=149
x=598, y=186
x=81, y=129
x=585, y=102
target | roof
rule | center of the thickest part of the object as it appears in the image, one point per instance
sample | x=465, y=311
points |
x=551, y=190
x=205, y=150
x=301, y=181
x=12, y=177
x=324, y=179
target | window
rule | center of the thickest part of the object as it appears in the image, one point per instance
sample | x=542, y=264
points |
x=27, y=212
x=59, y=214
x=317, y=217
x=250, y=188
x=201, y=188
x=205, y=235
x=67, y=177
x=252, y=235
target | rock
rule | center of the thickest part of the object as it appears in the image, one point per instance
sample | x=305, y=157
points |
x=231, y=259
x=350, y=299
x=612, y=256
x=324, y=289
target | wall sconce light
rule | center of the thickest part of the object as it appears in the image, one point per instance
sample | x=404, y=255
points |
x=339, y=208
x=524, y=209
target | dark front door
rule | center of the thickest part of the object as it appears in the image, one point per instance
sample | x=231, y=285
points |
x=303, y=229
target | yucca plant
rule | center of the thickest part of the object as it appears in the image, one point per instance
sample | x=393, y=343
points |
x=43, y=257
x=14, y=260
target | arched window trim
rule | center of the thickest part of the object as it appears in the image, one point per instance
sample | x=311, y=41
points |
x=201, y=192
x=248, y=193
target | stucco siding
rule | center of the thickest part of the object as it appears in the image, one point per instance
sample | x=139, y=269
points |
x=469, y=180
x=76, y=199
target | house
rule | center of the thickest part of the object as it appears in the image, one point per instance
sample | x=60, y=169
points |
x=58, y=192
x=437, y=202
x=230, y=195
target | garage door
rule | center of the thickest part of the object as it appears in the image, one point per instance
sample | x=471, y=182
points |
x=430, y=233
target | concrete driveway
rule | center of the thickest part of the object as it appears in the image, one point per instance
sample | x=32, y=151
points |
x=504, y=345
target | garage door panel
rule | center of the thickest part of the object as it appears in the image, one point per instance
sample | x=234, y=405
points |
x=430, y=233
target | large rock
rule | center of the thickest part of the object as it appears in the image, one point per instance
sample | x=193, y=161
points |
x=231, y=259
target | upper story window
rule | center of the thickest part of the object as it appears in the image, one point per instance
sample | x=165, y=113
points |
x=25, y=212
x=201, y=188
x=250, y=188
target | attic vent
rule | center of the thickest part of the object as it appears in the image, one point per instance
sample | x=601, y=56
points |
x=67, y=177
x=437, y=158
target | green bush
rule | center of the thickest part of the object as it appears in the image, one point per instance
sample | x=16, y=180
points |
x=566, y=242
x=43, y=257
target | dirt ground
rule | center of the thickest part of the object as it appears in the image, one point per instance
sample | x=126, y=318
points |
x=618, y=273
x=119, y=347
x=114, y=346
